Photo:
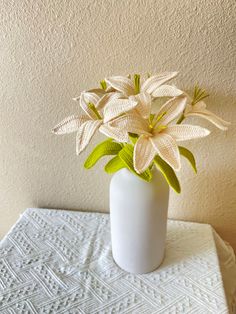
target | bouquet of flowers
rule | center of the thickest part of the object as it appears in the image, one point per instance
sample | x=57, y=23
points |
x=138, y=138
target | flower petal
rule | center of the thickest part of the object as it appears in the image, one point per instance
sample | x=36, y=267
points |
x=69, y=124
x=122, y=84
x=173, y=108
x=211, y=117
x=153, y=82
x=144, y=104
x=167, y=148
x=131, y=123
x=117, y=134
x=199, y=106
x=85, y=99
x=185, y=132
x=167, y=91
x=106, y=98
x=143, y=154
x=116, y=107
x=85, y=134
x=97, y=91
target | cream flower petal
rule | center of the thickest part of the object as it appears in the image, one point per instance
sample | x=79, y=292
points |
x=85, y=99
x=77, y=98
x=97, y=91
x=144, y=104
x=167, y=91
x=106, y=98
x=153, y=82
x=217, y=121
x=90, y=97
x=173, y=108
x=131, y=123
x=167, y=148
x=117, y=134
x=122, y=84
x=185, y=132
x=69, y=124
x=85, y=134
x=116, y=107
x=144, y=153
x=199, y=106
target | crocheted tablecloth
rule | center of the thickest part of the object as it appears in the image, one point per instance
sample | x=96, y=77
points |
x=56, y=261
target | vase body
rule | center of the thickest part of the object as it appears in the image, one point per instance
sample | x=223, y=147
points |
x=138, y=213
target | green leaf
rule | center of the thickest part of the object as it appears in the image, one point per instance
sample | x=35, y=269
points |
x=187, y=154
x=126, y=155
x=168, y=173
x=105, y=148
x=133, y=137
x=114, y=165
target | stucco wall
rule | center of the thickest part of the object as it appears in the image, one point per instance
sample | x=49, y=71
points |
x=52, y=50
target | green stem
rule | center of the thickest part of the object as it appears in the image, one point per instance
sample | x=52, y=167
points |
x=93, y=108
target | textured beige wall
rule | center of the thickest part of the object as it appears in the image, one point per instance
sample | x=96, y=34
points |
x=52, y=50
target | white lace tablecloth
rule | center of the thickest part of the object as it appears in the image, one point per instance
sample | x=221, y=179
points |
x=55, y=261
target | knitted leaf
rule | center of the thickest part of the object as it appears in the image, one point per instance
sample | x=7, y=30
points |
x=103, y=149
x=126, y=155
x=114, y=165
x=168, y=173
x=133, y=137
x=188, y=155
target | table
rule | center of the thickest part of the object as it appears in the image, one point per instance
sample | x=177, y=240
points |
x=57, y=261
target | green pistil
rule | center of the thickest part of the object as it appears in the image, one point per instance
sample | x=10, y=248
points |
x=93, y=108
x=137, y=83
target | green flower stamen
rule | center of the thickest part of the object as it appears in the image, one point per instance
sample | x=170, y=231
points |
x=93, y=108
x=137, y=83
x=158, y=118
x=103, y=84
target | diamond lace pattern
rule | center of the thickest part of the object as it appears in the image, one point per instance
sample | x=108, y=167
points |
x=55, y=261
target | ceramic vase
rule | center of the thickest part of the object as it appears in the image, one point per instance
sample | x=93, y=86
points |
x=138, y=214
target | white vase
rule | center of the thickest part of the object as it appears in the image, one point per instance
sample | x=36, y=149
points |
x=138, y=213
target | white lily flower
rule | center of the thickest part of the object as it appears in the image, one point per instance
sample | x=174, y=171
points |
x=157, y=136
x=99, y=112
x=199, y=110
x=152, y=87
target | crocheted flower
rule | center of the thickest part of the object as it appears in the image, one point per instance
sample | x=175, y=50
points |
x=199, y=110
x=143, y=91
x=157, y=135
x=99, y=110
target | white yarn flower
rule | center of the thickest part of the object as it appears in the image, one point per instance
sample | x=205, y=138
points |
x=99, y=112
x=157, y=135
x=142, y=91
x=199, y=110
